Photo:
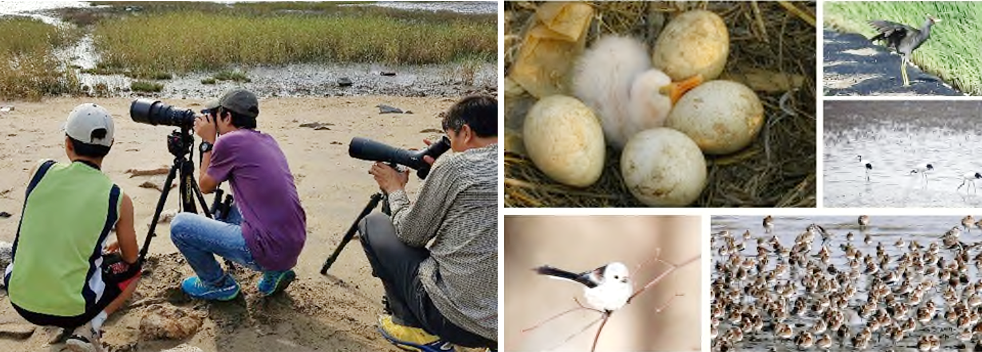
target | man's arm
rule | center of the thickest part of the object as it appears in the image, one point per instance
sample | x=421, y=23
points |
x=125, y=232
x=417, y=223
x=204, y=127
x=206, y=183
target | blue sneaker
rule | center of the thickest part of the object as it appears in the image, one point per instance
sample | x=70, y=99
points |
x=275, y=281
x=195, y=288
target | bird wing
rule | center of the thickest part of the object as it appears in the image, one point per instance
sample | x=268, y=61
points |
x=891, y=32
x=565, y=275
x=887, y=27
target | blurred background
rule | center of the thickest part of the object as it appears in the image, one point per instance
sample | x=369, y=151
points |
x=581, y=243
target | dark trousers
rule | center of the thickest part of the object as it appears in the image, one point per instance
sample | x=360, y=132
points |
x=398, y=270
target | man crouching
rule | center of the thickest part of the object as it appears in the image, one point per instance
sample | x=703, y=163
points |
x=65, y=271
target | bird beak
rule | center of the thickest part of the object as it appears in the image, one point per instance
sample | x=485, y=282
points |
x=676, y=90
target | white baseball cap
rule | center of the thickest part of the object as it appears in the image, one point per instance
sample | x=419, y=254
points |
x=85, y=119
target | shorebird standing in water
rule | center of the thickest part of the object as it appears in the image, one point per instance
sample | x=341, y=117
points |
x=868, y=165
x=922, y=169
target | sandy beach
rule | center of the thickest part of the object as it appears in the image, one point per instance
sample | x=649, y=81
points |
x=337, y=312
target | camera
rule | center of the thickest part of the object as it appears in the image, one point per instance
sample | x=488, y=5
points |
x=154, y=112
x=367, y=149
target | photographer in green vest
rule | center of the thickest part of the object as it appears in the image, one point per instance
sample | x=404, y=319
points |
x=68, y=270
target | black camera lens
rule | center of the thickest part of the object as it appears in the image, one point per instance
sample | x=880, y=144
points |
x=155, y=112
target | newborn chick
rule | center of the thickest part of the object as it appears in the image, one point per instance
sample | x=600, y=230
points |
x=615, y=79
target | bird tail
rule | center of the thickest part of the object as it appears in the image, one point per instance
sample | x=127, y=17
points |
x=877, y=37
x=555, y=273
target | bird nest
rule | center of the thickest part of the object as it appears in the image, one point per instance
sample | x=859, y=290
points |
x=769, y=39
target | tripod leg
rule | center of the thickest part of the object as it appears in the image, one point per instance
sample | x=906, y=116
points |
x=156, y=214
x=351, y=232
x=201, y=198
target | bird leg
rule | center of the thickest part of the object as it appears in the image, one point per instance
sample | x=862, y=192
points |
x=903, y=71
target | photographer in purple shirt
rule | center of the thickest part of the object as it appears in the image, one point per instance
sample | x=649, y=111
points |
x=265, y=228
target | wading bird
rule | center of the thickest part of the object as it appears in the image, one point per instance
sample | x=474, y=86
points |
x=902, y=38
x=867, y=164
x=969, y=178
x=922, y=169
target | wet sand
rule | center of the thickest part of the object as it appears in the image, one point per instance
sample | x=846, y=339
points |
x=325, y=313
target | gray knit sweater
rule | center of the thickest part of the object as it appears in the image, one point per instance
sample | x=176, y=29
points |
x=457, y=208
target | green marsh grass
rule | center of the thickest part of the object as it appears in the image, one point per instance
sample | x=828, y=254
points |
x=228, y=75
x=188, y=40
x=28, y=67
x=953, y=52
x=146, y=86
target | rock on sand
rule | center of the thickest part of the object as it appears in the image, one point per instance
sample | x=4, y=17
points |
x=164, y=321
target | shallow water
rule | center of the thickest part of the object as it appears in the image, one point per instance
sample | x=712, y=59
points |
x=884, y=229
x=287, y=80
x=454, y=6
x=897, y=136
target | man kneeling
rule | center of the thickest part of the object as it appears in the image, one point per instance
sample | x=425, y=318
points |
x=447, y=293
x=63, y=272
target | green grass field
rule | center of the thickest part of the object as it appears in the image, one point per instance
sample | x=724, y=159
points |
x=28, y=67
x=189, y=37
x=953, y=53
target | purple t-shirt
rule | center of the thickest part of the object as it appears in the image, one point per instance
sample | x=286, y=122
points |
x=273, y=222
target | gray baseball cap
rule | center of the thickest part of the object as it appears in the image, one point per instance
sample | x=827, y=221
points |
x=85, y=119
x=240, y=101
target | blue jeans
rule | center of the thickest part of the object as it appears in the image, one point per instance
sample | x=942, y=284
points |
x=199, y=239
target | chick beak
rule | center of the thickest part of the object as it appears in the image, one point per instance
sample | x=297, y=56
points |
x=676, y=90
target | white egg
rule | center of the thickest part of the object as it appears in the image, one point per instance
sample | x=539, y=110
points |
x=720, y=116
x=693, y=43
x=565, y=141
x=663, y=167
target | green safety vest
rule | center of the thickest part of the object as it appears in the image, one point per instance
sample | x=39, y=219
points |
x=68, y=212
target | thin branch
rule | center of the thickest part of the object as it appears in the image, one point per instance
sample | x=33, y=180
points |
x=657, y=279
x=597, y=338
x=554, y=317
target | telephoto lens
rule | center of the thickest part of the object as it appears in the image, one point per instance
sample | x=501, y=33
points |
x=367, y=149
x=155, y=112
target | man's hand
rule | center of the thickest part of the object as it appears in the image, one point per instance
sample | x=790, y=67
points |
x=388, y=179
x=112, y=247
x=428, y=159
x=204, y=127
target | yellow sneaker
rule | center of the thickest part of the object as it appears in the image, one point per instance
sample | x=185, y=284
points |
x=410, y=338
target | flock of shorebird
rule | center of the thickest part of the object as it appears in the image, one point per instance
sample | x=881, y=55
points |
x=796, y=296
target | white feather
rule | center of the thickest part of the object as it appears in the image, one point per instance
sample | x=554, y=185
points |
x=615, y=79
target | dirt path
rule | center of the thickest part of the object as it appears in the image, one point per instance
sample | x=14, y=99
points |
x=853, y=66
x=323, y=313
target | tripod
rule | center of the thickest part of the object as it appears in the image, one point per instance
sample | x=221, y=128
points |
x=348, y=236
x=179, y=143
